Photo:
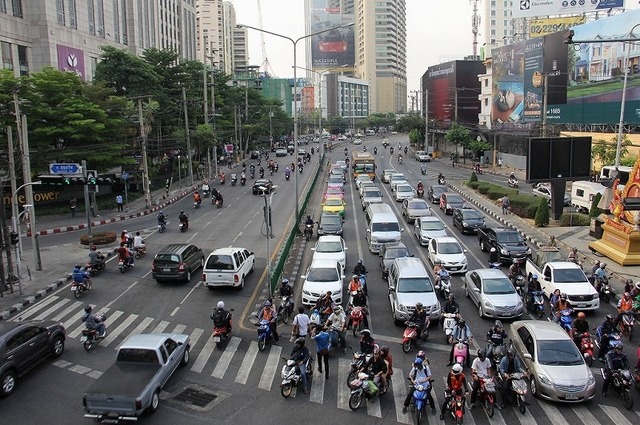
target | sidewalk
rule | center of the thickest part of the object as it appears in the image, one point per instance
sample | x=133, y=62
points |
x=58, y=260
x=566, y=237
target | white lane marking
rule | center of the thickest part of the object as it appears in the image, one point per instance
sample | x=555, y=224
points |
x=36, y=308
x=45, y=314
x=317, y=388
x=247, y=363
x=142, y=326
x=179, y=329
x=175, y=310
x=225, y=358
x=344, y=367
x=160, y=327
x=195, y=336
x=66, y=311
x=399, y=394
x=616, y=416
x=270, y=368
x=204, y=355
x=236, y=238
x=112, y=335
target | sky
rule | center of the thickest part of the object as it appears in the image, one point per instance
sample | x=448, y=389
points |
x=435, y=33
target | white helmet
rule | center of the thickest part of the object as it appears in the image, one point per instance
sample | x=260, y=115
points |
x=220, y=304
x=457, y=369
x=493, y=250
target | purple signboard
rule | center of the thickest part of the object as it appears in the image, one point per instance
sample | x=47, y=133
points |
x=72, y=60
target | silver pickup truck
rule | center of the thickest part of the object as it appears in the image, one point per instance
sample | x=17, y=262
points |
x=132, y=384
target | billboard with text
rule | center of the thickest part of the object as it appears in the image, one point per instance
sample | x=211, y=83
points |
x=531, y=8
x=334, y=48
x=544, y=26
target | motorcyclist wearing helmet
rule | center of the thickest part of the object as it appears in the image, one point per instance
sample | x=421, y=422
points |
x=125, y=254
x=216, y=196
x=420, y=186
x=461, y=332
x=80, y=276
x=221, y=317
x=96, y=258
x=162, y=219
x=184, y=219
x=456, y=383
x=355, y=284
x=515, y=270
x=420, y=318
x=480, y=370
x=309, y=221
x=625, y=305
x=420, y=374
x=285, y=289
x=578, y=327
x=600, y=275
x=268, y=312
x=367, y=342
x=451, y=306
x=495, y=338
x=615, y=359
x=300, y=354
x=378, y=368
x=494, y=257
x=360, y=269
x=533, y=286
x=94, y=322
x=359, y=300
x=337, y=322
x=595, y=267
x=606, y=329
x=442, y=274
x=508, y=365
x=196, y=198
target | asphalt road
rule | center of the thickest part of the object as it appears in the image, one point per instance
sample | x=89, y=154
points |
x=244, y=382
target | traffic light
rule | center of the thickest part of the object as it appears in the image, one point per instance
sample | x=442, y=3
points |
x=91, y=183
x=15, y=237
x=66, y=180
x=92, y=180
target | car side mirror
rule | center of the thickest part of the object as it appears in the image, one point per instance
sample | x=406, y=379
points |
x=527, y=356
x=313, y=249
x=304, y=276
x=392, y=288
x=464, y=250
x=346, y=247
x=402, y=229
x=476, y=290
x=368, y=230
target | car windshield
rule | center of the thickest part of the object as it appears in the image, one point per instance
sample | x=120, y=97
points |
x=404, y=188
x=322, y=275
x=363, y=168
x=559, y=353
x=509, y=237
x=450, y=248
x=167, y=258
x=332, y=246
x=334, y=191
x=455, y=199
x=439, y=190
x=331, y=220
x=341, y=163
x=372, y=193
x=398, y=178
x=220, y=262
x=396, y=253
x=419, y=153
x=333, y=202
x=471, y=215
x=335, y=180
x=431, y=225
x=568, y=276
x=498, y=286
x=418, y=205
x=414, y=284
x=385, y=227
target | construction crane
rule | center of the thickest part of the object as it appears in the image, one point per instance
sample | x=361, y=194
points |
x=266, y=66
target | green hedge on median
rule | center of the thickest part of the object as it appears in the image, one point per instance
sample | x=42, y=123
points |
x=522, y=205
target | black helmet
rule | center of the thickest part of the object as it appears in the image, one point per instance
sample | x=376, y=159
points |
x=181, y=211
x=365, y=332
x=384, y=349
x=300, y=341
x=498, y=324
x=285, y=281
x=461, y=322
x=608, y=317
x=87, y=309
x=482, y=354
x=360, y=261
x=78, y=266
x=511, y=353
x=452, y=298
x=563, y=296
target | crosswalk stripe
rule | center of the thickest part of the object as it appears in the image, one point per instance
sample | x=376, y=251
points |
x=113, y=334
x=36, y=308
x=316, y=395
x=399, y=394
x=247, y=363
x=45, y=314
x=270, y=369
x=225, y=359
x=527, y=418
x=179, y=329
x=615, y=415
x=160, y=327
x=497, y=416
x=76, y=305
x=434, y=394
x=77, y=331
x=554, y=414
x=204, y=355
x=195, y=336
x=142, y=326
x=373, y=407
x=344, y=367
x=585, y=415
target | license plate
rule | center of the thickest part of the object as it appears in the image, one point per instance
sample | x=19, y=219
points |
x=166, y=270
x=571, y=396
x=83, y=338
x=216, y=339
x=74, y=287
x=581, y=305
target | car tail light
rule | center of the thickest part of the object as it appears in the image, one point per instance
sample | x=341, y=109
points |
x=180, y=267
x=204, y=277
x=236, y=278
x=138, y=404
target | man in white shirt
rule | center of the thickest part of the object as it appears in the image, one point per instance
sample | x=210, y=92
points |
x=479, y=370
x=338, y=321
x=301, y=324
x=138, y=244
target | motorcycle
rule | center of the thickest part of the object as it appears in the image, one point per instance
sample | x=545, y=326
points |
x=78, y=288
x=252, y=174
x=308, y=231
x=261, y=174
x=183, y=226
x=603, y=287
x=449, y=322
x=220, y=335
x=456, y=406
x=264, y=334
x=635, y=374
x=217, y=201
x=363, y=387
x=519, y=281
x=420, y=193
x=90, y=336
x=495, y=265
x=196, y=204
x=206, y=193
x=287, y=176
x=243, y=181
x=375, y=151
x=625, y=326
x=95, y=268
x=565, y=319
x=423, y=170
x=234, y=179
x=300, y=168
x=441, y=180
x=516, y=392
x=357, y=319
x=478, y=169
x=286, y=309
x=162, y=226
x=612, y=338
x=460, y=352
x=123, y=266
x=222, y=179
x=512, y=182
x=621, y=381
x=357, y=362
x=486, y=394
x=586, y=348
x=536, y=306
x=444, y=286
x=498, y=352
x=399, y=159
x=291, y=376
x=411, y=337
x=139, y=252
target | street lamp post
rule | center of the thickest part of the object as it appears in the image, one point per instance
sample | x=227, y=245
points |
x=179, y=173
x=16, y=228
x=268, y=229
x=295, y=91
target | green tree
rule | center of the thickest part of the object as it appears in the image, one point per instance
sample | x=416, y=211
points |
x=458, y=135
x=605, y=152
x=542, y=213
x=595, y=211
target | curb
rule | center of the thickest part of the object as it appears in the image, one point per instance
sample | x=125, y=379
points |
x=31, y=299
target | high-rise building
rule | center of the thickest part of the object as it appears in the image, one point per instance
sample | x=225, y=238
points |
x=240, y=48
x=67, y=35
x=497, y=25
x=225, y=54
x=210, y=27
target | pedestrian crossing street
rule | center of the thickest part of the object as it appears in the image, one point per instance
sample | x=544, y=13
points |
x=244, y=355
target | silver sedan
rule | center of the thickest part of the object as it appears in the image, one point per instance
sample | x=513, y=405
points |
x=493, y=293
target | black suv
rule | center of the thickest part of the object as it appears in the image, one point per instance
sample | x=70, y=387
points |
x=467, y=220
x=508, y=242
x=435, y=191
x=177, y=262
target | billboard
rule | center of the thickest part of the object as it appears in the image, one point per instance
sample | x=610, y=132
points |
x=72, y=60
x=334, y=48
x=531, y=8
x=596, y=72
x=453, y=89
x=540, y=27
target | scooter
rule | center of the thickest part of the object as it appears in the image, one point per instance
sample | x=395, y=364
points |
x=495, y=265
x=515, y=394
x=460, y=352
x=79, y=288
x=308, y=231
x=96, y=268
x=455, y=407
x=449, y=322
x=519, y=282
x=586, y=348
x=357, y=319
x=90, y=336
x=444, y=285
x=261, y=174
x=625, y=326
x=411, y=337
x=357, y=362
x=612, y=338
x=300, y=168
x=603, y=287
x=419, y=400
x=217, y=201
x=220, y=335
x=498, y=352
x=243, y=181
x=537, y=306
x=363, y=387
x=287, y=176
x=486, y=394
x=196, y=204
x=206, y=193
x=423, y=170
x=291, y=376
x=222, y=178
x=183, y=226
x=621, y=381
x=162, y=226
x=512, y=182
x=441, y=181
x=234, y=179
x=286, y=309
x=264, y=334
x=420, y=193
x=123, y=266
x=139, y=252
x=565, y=319
x=252, y=174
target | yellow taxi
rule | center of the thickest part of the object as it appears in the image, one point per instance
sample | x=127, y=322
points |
x=334, y=205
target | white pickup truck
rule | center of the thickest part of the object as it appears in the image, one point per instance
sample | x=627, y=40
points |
x=556, y=273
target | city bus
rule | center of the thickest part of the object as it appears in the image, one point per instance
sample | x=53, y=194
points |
x=363, y=163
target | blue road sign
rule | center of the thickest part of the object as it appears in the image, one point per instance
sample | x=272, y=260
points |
x=65, y=168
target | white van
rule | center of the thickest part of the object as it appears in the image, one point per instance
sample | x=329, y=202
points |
x=409, y=284
x=582, y=194
x=382, y=226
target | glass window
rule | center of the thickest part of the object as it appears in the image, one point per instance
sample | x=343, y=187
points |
x=91, y=16
x=73, y=17
x=60, y=11
x=125, y=33
x=7, y=61
x=100, y=16
x=116, y=21
x=170, y=345
x=220, y=262
x=17, y=8
x=22, y=60
x=3, y=6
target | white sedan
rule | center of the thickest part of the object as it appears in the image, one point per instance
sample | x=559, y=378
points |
x=447, y=250
x=403, y=191
x=545, y=192
x=331, y=248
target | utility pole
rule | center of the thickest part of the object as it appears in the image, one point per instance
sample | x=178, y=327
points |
x=426, y=121
x=187, y=134
x=145, y=165
x=205, y=105
x=544, y=106
x=213, y=118
x=14, y=186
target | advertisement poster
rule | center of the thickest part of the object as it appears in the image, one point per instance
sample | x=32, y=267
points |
x=70, y=59
x=334, y=48
x=530, y=8
x=533, y=80
x=441, y=86
x=508, y=87
x=540, y=27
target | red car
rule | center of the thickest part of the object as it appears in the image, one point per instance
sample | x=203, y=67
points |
x=333, y=43
x=333, y=192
